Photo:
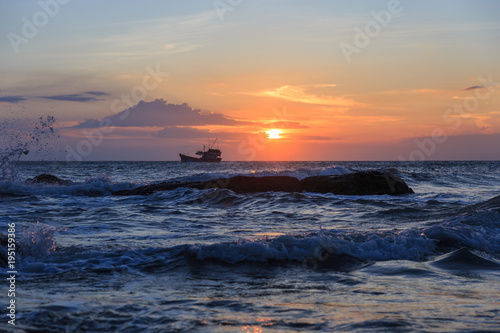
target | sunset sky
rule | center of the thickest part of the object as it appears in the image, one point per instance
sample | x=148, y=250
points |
x=350, y=80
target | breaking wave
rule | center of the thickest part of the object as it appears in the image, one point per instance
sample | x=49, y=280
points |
x=475, y=230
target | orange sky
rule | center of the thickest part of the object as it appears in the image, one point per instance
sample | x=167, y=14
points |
x=385, y=80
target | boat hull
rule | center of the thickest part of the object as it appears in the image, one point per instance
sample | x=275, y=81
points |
x=185, y=158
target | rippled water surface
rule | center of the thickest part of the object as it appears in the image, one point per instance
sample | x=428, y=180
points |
x=216, y=261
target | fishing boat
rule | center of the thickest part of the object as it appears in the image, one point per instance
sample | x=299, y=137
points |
x=207, y=155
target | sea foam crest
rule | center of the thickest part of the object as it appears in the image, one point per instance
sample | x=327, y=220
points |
x=300, y=173
x=480, y=231
x=94, y=186
x=385, y=245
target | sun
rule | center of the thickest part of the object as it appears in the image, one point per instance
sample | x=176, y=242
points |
x=274, y=134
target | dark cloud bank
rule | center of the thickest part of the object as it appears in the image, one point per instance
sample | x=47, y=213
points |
x=12, y=99
x=160, y=113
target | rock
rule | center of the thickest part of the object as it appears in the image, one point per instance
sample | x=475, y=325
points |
x=45, y=178
x=238, y=184
x=244, y=184
x=358, y=183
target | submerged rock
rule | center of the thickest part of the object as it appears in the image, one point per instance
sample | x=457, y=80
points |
x=359, y=183
x=46, y=178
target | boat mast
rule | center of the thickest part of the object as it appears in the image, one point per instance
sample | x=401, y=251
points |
x=213, y=144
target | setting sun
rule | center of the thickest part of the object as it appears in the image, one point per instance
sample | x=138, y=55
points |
x=274, y=134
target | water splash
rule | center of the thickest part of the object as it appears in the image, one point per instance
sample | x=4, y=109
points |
x=21, y=137
x=8, y=159
x=37, y=240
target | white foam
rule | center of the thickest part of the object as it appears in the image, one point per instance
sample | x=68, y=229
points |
x=298, y=173
x=477, y=230
x=389, y=245
x=101, y=185
x=480, y=231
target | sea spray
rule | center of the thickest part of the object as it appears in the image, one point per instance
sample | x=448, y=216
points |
x=37, y=240
x=8, y=159
x=20, y=137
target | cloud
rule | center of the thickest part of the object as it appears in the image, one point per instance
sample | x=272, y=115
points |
x=488, y=84
x=72, y=98
x=80, y=97
x=474, y=88
x=12, y=99
x=185, y=34
x=159, y=113
x=176, y=132
x=321, y=85
x=316, y=138
x=89, y=123
x=302, y=94
x=414, y=91
x=285, y=125
x=181, y=132
x=96, y=93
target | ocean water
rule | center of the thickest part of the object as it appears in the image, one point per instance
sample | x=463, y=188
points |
x=212, y=260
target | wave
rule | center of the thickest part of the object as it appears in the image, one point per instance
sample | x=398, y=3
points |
x=465, y=260
x=98, y=186
x=314, y=250
x=475, y=227
x=478, y=229
x=104, y=185
x=387, y=245
x=474, y=231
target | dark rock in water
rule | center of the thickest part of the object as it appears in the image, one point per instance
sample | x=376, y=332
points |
x=238, y=184
x=45, y=178
x=357, y=183
x=493, y=203
x=244, y=184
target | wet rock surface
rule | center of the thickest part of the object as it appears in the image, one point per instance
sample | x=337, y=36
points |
x=46, y=178
x=358, y=183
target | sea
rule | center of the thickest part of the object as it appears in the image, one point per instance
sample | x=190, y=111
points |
x=212, y=260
